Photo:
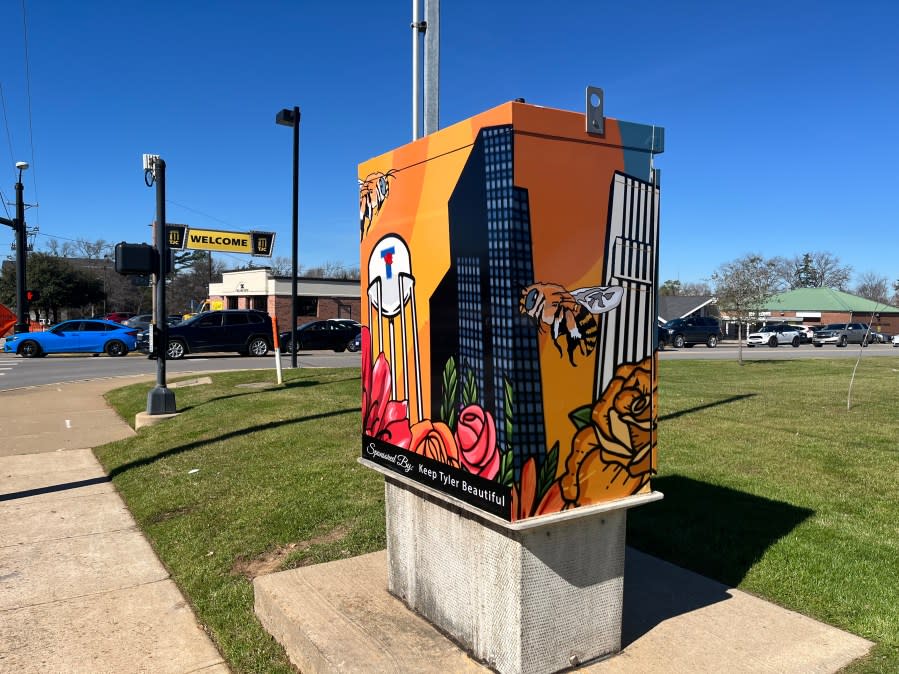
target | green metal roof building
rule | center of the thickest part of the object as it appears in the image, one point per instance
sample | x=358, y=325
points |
x=826, y=305
x=825, y=299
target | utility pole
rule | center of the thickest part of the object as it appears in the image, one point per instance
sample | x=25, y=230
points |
x=18, y=225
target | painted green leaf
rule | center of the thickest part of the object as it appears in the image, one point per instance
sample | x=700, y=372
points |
x=448, y=409
x=506, y=475
x=507, y=405
x=469, y=389
x=547, y=472
x=581, y=416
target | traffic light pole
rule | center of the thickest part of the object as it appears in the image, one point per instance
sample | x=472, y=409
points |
x=160, y=400
x=21, y=255
x=18, y=226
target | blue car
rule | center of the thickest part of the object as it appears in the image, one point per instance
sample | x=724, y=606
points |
x=76, y=336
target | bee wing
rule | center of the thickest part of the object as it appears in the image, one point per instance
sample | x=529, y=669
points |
x=598, y=299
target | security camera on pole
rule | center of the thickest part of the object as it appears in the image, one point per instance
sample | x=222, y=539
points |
x=18, y=225
x=160, y=400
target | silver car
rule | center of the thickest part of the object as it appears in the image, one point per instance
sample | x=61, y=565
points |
x=842, y=334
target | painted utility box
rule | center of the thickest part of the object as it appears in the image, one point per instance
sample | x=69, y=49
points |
x=509, y=309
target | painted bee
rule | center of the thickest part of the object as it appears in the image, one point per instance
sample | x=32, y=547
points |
x=373, y=192
x=569, y=313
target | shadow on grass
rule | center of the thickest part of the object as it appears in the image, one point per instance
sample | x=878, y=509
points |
x=147, y=460
x=252, y=391
x=302, y=383
x=714, y=531
x=725, y=401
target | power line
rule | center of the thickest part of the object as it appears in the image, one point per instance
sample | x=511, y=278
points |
x=30, y=122
x=193, y=210
x=9, y=142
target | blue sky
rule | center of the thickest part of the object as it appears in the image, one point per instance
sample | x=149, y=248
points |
x=779, y=116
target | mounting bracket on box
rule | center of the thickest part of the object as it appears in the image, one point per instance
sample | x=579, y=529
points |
x=596, y=122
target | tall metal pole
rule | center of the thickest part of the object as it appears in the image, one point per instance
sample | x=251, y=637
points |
x=416, y=97
x=294, y=233
x=21, y=254
x=161, y=400
x=432, y=67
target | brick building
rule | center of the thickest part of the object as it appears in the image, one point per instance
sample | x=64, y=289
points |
x=316, y=299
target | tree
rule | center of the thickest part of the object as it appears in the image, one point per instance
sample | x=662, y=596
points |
x=743, y=286
x=190, y=283
x=670, y=288
x=61, y=286
x=874, y=288
x=813, y=270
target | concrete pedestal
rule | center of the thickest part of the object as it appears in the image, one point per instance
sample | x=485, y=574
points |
x=535, y=596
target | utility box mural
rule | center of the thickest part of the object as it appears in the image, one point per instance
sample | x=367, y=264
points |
x=509, y=310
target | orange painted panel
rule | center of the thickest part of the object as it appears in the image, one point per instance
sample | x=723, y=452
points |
x=508, y=274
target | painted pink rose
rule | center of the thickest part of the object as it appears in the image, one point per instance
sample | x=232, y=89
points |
x=382, y=418
x=476, y=439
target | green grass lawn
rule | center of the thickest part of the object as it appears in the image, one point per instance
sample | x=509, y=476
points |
x=770, y=484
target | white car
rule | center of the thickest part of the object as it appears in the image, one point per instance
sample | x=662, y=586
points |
x=895, y=340
x=805, y=333
x=774, y=335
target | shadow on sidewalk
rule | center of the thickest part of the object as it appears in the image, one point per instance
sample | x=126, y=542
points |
x=53, y=488
x=714, y=531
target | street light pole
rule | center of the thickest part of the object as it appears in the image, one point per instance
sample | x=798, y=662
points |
x=289, y=117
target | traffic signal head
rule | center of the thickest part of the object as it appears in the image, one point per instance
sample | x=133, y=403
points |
x=32, y=295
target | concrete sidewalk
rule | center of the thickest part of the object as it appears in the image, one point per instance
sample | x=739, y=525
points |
x=81, y=590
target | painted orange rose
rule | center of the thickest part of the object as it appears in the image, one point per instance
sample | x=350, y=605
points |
x=620, y=433
x=435, y=440
x=476, y=439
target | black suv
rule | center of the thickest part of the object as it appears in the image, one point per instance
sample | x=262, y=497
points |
x=246, y=331
x=689, y=331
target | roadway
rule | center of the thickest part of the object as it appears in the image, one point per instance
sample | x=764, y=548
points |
x=17, y=372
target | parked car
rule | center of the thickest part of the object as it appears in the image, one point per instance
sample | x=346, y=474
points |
x=875, y=337
x=841, y=334
x=355, y=343
x=118, y=316
x=805, y=333
x=326, y=334
x=245, y=331
x=692, y=330
x=139, y=321
x=76, y=336
x=347, y=322
x=895, y=340
x=774, y=335
x=662, y=337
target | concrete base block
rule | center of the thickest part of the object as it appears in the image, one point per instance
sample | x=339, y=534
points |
x=538, y=599
x=142, y=419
